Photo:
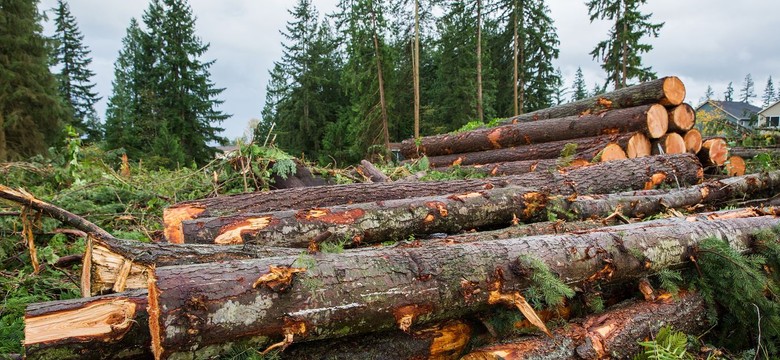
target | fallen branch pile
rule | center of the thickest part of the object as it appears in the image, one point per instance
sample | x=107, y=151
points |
x=452, y=267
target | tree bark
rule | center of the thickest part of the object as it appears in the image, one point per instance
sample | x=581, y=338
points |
x=751, y=152
x=681, y=118
x=613, y=334
x=668, y=91
x=117, y=265
x=634, y=174
x=105, y=327
x=195, y=309
x=369, y=223
x=524, y=166
x=650, y=119
x=586, y=148
x=714, y=152
x=693, y=141
x=370, y=171
x=671, y=143
x=645, y=203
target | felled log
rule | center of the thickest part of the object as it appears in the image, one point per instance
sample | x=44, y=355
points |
x=751, y=152
x=615, y=333
x=681, y=118
x=197, y=308
x=586, y=148
x=735, y=166
x=302, y=177
x=370, y=171
x=368, y=223
x=668, y=91
x=633, y=174
x=106, y=327
x=671, y=143
x=613, y=152
x=637, y=146
x=714, y=152
x=650, y=119
x=524, y=167
x=115, y=265
x=646, y=203
x=693, y=141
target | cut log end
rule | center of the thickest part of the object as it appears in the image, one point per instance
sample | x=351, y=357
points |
x=693, y=141
x=735, y=166
x=638, y=146
x=671, y=143
x=103, y=319
x=172, y=219
x=674, y=91
x=657, y=121
x=682, y=118
x=716, y=151
x=112, y=271
x=613, y=152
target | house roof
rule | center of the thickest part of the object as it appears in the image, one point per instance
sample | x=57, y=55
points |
x=736, y=109
x=769, y=107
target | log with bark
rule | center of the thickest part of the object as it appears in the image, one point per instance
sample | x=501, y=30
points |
x=585, y=148
x=624, y=175
x=671, y=143
x=751, y=152
x=668, y=91
x=714, y=152
x=615, y=333
x=681, y=118
x=197, y=309
x=115, y=265
x=106, y=327
x=524, y=167
x=368, y=170
x=650, y=119
x=693, y=141
x=645, y=203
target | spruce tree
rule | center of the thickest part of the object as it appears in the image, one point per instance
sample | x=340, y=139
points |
x=769, y=92
x=31, y=110
x=620, y=54
x=580, y=89
x=71, y=56
x=709, y=93
x=747, y=91
x=729, y=94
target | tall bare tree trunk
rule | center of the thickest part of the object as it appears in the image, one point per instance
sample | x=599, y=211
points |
x=515, y=55
x=382, y=103
x=3, y=152
x=521, y=59
x=416, y=64
x=480, y=111
x=618, y=42
x=625, y=45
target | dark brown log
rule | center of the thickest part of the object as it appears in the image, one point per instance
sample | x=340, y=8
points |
x=714, y=152
x=614, y=334
x=633, y=174
x=671, y=143
x=751, y=152
x=586, y=148
x=650, y=119
x=370, y=171
x=647, y=203
x=613, y=152
x=681, y=118
x=520, y=167
x=735, y=166
x=68, y=261
x=368, y=223
x=117, y=265
x=638, y=146
x=303, y=177
x=693, y=141
x=198, y=308
x=668, y=91
x=26, y=199
x=105, y=327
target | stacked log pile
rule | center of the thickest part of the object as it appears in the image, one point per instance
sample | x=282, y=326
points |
x=428, y=266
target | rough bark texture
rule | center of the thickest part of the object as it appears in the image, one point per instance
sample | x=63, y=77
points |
x=198, y=309
x=665, y=91
x=118, y=265
x=586, y=148
x=646, y=203
x=633, y=175
x=681, y=118
x=368, y=223
x=650, y=119
x=614, y=334
x=61, y=330
x=524, y=167
x=693, y=141
x=751, y=152
x=370, y=171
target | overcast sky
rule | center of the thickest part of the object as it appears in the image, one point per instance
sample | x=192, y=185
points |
x=704, y=42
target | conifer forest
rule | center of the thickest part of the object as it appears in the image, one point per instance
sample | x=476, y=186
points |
x=423, y=181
